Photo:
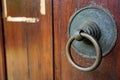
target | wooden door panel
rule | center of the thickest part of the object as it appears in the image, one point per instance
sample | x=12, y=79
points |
x=2, y=55
x=110, y=66
x=29, y=47
x=28, y=44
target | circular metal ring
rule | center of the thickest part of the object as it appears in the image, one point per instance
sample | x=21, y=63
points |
x=97, y=48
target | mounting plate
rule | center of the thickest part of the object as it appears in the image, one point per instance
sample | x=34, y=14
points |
x=106, y=24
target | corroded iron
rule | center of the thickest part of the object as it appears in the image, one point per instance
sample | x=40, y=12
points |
x=99, y=23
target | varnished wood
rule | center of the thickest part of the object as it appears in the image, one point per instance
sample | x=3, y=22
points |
x=29, y=48
x=2, y=56
x=110, y=66
x=2, y=53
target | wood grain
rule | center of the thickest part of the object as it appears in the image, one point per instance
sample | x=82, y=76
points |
x=2, y=53
x=29, y=51
x=110, y=66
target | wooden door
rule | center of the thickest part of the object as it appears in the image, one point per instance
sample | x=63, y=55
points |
x=28, y=39
x=33, y=37
x=109, y=69
x=2, y=49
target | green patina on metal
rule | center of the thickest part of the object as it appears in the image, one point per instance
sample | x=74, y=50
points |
x=97, y=22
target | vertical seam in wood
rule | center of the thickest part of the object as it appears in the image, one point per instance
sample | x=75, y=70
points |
x=26, y=41
x=53, y=39
x=4, y=45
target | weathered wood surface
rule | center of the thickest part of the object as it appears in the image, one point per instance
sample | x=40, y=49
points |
x=110, y=66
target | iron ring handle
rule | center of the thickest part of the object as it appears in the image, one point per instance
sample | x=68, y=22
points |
x=97, y=48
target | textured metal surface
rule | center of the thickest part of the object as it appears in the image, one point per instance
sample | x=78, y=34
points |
x=91, y=28
x=97, y=48
x=106, y=24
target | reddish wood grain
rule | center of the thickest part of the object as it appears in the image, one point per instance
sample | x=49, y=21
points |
x=2, y=54
x=29, y=51
x=2, y=48
x=29, y=47
x=110, y=66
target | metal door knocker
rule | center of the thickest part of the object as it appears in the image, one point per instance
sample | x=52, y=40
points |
x=92, y=32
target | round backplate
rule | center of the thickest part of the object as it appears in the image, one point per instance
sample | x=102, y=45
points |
x=106, y=24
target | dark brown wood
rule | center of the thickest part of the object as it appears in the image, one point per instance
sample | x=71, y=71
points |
x=110, y=66
x=29, y=51
x=2, y=55
x=29, y=46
